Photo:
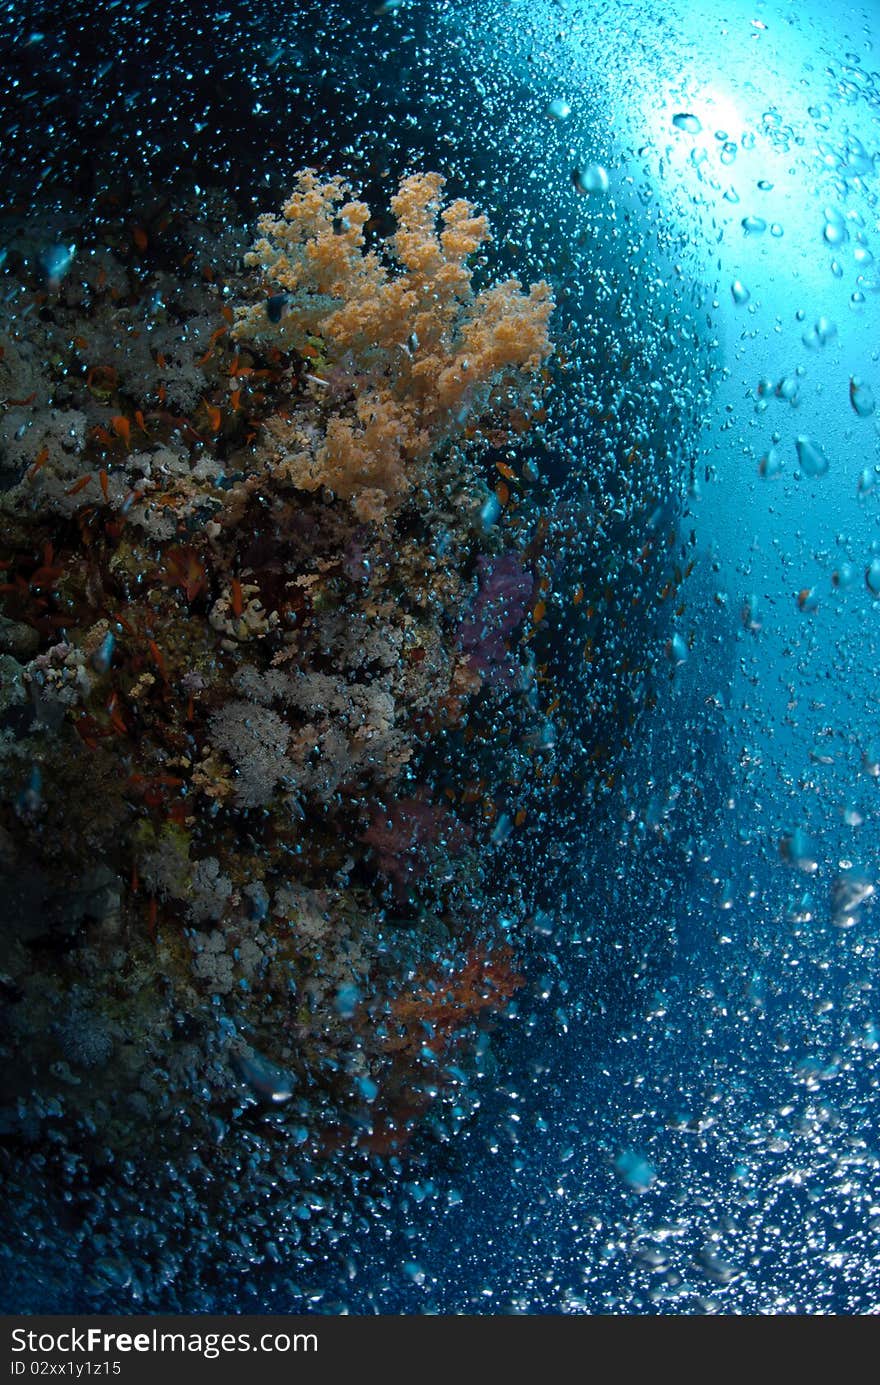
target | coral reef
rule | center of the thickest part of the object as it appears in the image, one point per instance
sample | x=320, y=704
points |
x=318, y=644
x=268, y=673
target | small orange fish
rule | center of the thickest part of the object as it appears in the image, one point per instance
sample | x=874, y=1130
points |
x=157, y=657
x=116, y=718
x=79, y=485
x=251, y=373
x=122, y=428
x=40, y=460
x=212, y=341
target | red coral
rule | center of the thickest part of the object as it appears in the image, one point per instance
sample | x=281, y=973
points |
x=405, y=835
x=444, y=1004
x=437, y=1013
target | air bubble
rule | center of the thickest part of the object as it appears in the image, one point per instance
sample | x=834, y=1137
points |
x=798, y=849
x=739, y=292
x=811, y=458
x=590, y=180
x=861, y=397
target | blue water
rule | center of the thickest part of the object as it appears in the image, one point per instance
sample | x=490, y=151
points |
x=681, y=1112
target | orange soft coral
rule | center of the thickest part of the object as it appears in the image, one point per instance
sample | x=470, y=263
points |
x=411, y=354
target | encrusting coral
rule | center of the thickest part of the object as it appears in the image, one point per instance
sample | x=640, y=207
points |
x=408, y=353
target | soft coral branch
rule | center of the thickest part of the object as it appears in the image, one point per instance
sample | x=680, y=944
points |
x=423, y=353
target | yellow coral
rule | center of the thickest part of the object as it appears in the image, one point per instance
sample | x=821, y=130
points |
x=413, y=354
